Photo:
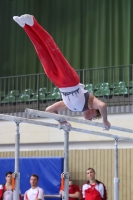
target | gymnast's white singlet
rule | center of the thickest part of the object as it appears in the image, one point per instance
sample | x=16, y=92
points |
x=8, y=195
x=74, y=97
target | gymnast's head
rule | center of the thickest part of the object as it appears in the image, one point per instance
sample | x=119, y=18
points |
x=92, y=114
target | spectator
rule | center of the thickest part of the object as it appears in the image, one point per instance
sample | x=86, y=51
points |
x=93, y=189
x=35, y=192
x=74, y=191
x=6, y=190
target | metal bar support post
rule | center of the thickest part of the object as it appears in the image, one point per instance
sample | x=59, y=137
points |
x=66, y=156
x=17, y=173
x=66, y=126
x=116, y=179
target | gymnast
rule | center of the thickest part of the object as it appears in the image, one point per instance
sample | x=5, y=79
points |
x=59, y=71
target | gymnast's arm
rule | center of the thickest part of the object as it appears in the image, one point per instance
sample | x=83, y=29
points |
x=56, y=107
x=101, y=106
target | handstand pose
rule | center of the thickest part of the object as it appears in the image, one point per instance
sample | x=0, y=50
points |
x=62, y=74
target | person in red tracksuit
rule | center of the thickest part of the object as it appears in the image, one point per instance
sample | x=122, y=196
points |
x=93, y=189
x=60, y=72
x=74, y=191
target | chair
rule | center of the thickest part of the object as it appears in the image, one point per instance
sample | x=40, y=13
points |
x=131, y=91
x=55, y=89
x=57, y=96
x=123, y=91
x=102, y=92
x=118, y=84
x=104, y=85
x=28, y=91
x=42, y=97
x=101, y=85
x=51, y=96
x=14, y=93
x=43, y=90
x=97, y=86
x=131, y=84
x=89, y=87
x=35, y=97
x=115, y=92
x=120, y=91
x=9, y=99
x=23, y=98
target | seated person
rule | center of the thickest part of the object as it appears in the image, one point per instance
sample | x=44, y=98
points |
x=74, y=191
